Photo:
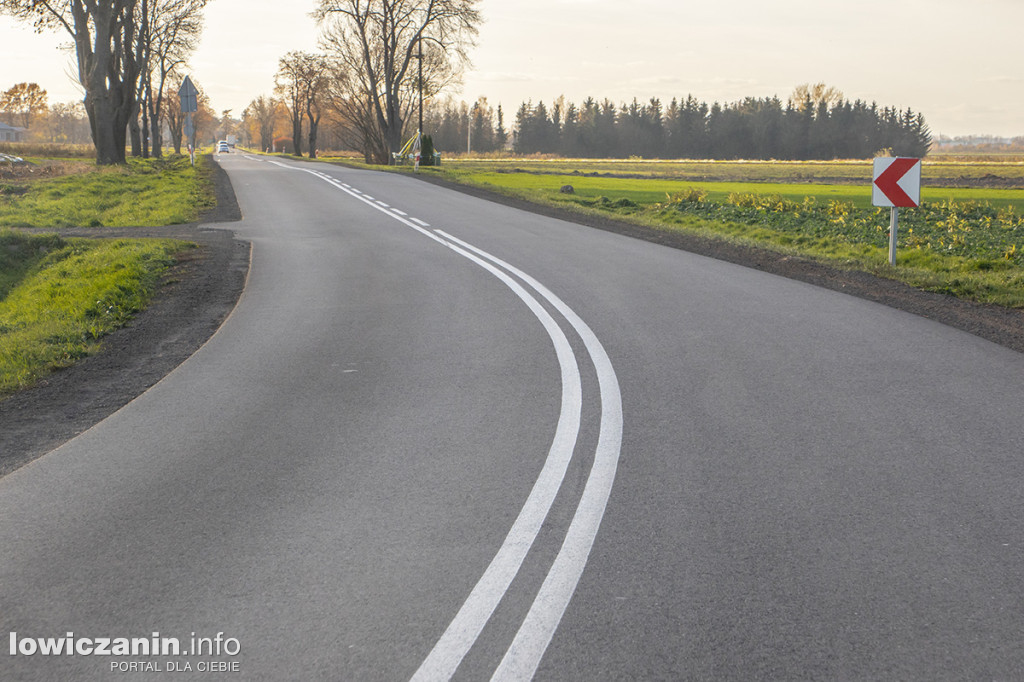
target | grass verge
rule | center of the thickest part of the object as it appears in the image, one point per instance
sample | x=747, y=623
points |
x=144, y=193
x=59, y=297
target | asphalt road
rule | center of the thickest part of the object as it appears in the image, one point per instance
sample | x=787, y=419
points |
x=440, y=436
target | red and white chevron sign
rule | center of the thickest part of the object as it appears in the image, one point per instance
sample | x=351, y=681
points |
x=897, y=182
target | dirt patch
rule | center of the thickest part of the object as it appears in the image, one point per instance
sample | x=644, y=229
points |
x=27, y=172
x=198, y=294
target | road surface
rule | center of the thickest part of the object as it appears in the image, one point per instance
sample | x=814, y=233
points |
x=442, y=438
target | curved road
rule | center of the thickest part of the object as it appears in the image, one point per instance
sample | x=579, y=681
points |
x=441, y=438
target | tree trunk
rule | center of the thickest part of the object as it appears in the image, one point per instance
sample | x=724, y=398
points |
x=102, y=124
x=145, y=131
x=136, y=136
x=156, y=132
x=108, y=73
x=297, y=134
x=314, y=128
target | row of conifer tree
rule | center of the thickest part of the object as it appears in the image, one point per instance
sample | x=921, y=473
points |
x=748, y=129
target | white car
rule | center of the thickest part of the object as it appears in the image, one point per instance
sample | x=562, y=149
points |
x=222, y=146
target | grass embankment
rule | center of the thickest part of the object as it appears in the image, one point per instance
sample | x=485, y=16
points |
x=144, y=193
x=59, y=297
x=964, y=241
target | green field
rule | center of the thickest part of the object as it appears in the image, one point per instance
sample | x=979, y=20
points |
x=650, y=181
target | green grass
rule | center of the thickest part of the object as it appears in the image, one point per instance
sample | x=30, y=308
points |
x=967, y=249
x=59, y=297
x=144, y=193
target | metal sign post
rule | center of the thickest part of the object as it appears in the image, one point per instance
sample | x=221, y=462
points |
x=190, y=136
x=896, y=183
x=894, y=221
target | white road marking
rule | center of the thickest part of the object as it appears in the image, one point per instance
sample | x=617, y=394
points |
x=531, y=641
x=524, y=655
x=465, y=628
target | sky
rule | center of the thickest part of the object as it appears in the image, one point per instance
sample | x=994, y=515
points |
x=959, y=62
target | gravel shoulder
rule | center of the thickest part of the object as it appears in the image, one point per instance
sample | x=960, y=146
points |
x=203, y=288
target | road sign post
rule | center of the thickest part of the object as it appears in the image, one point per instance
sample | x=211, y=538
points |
x=894, y=221
x=190, y=137
x=896, y=184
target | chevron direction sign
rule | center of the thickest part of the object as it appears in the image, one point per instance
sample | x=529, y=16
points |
x=897, y=182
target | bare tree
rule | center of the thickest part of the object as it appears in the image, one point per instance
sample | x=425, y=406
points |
x=105, y=33
x=261, y=116
x=174, y=29
x=817, y=94
x=378, y=42
x=67, y=123
x=313, y=78
x=204, y=119
x=288, y=84
x=175, y=117
x=353, y=113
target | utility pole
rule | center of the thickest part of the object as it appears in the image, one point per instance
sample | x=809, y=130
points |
x=421, y=84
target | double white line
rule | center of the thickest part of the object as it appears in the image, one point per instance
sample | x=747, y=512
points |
x=531, y=641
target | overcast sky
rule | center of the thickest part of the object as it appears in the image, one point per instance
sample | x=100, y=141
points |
x=959, y=62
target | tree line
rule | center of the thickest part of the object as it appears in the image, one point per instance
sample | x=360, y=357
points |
x=826, y=128
x=27, y=106
x=381, y=73
x=129, y=55
x=380, y=60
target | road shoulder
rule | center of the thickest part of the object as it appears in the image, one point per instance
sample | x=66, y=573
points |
x=199, y=293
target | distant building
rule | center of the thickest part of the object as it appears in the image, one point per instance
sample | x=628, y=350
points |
x=11, y=134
